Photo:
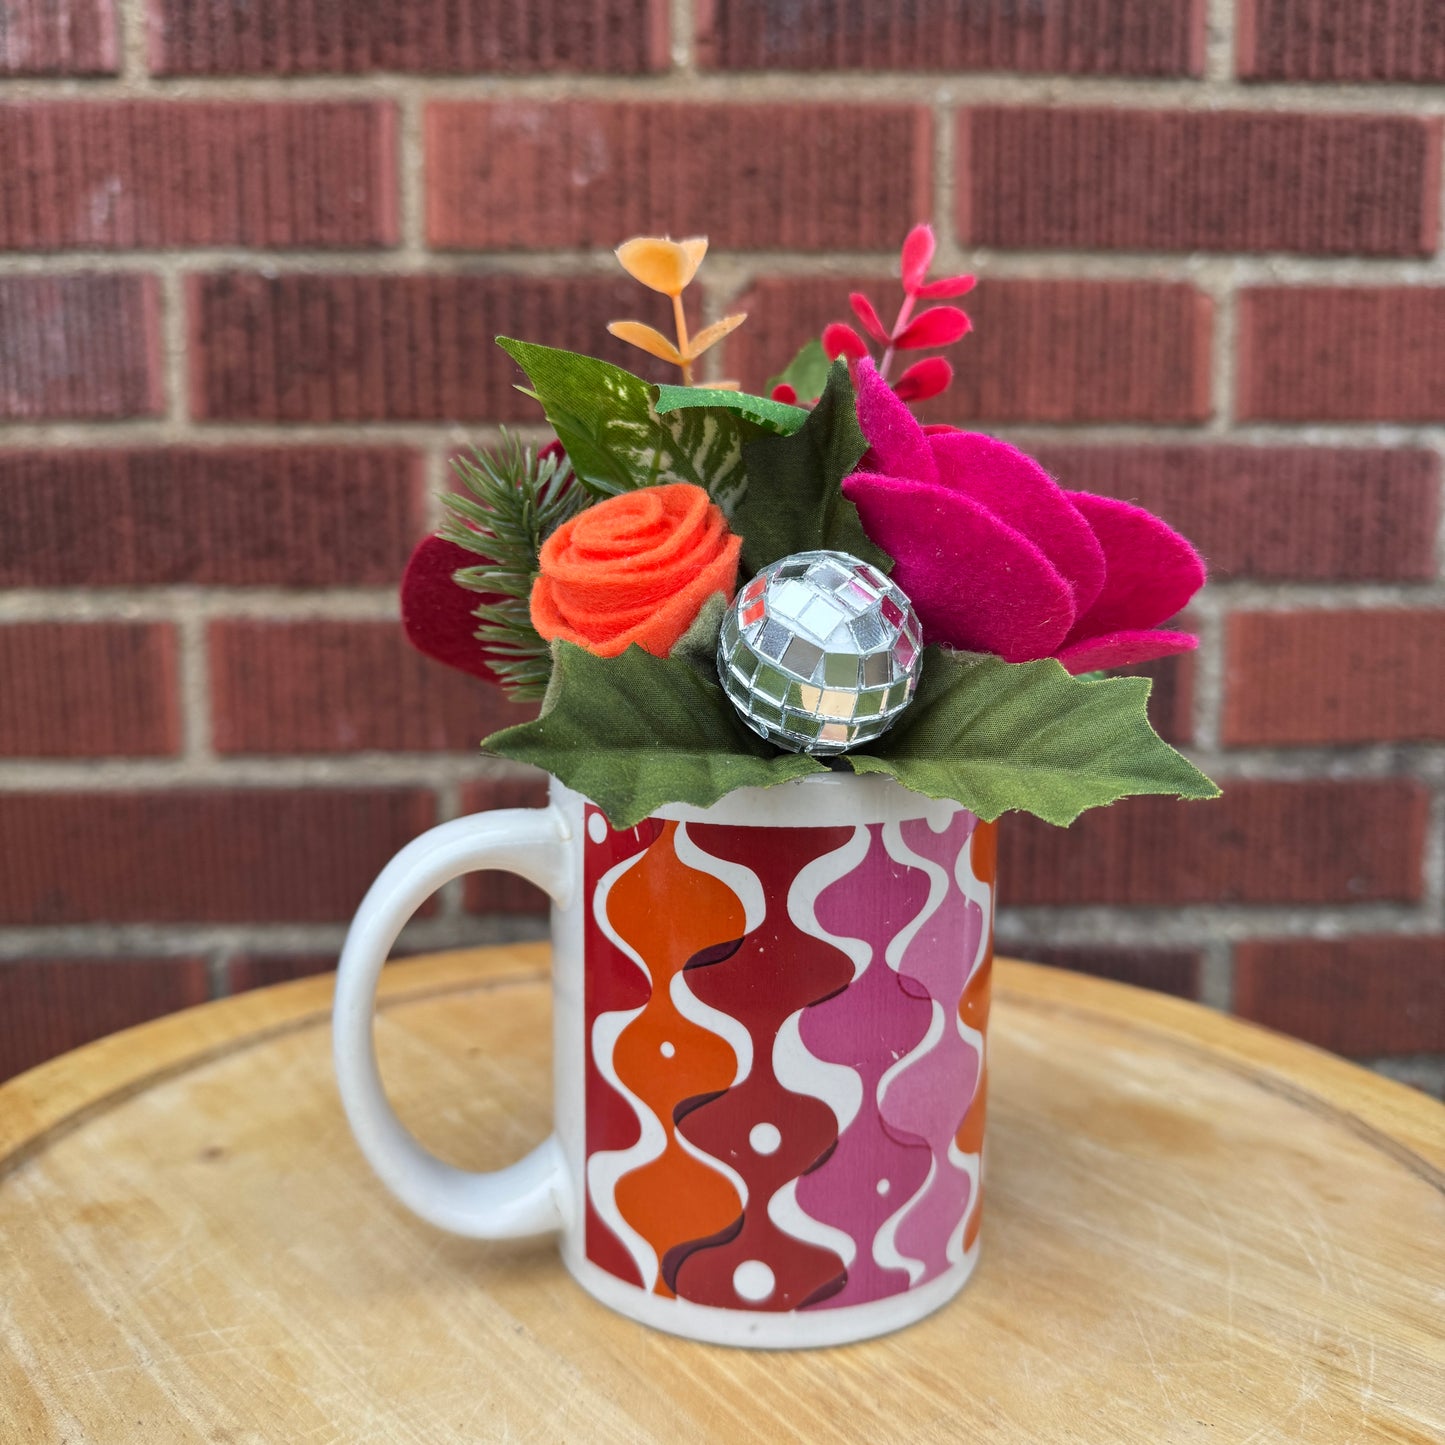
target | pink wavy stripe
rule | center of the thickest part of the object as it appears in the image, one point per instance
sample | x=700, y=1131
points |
x=929, y=1098
x=867, y=1027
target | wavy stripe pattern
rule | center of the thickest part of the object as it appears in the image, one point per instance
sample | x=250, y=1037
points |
x=786, y=1057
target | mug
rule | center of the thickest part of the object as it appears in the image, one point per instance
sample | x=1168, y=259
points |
x=769, y=1054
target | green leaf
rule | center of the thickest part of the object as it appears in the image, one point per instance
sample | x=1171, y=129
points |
x=636, y=731
x=794, y=501
x=807, y=372
x=997, y=736
x=698, y=645
x=776, y=417
x=615, y=438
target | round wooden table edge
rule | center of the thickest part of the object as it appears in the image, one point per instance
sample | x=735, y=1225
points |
x=60, y=1093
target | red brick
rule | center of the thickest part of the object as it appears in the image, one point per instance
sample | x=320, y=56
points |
x=1317, y=353
x=326, y=687
x=1070, y=37
x=316, y=37
x=79, y=346
x=1262, y=842
x=58, y=37
x=1349, y=40
x=1171, y=702
x=1305, y=514
x=1046, y=351
x=50, y=1005
x=392, y=348
x=200, y=855
x=518, y=175
x=1378, y=995
x=88, y=689
x=1135, y=180
x=494, y=891
x=261, y=970
x=1335, y=677
x=223, y=516
x=1165, y=970
x=161, y=173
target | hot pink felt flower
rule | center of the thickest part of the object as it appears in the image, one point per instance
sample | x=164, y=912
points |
x=998, y=558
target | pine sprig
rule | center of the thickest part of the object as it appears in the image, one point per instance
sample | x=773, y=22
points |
x=518, y=498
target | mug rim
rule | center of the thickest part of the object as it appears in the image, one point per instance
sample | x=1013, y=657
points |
x=820, y=800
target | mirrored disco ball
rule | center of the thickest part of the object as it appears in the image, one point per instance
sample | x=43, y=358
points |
x=820, y=652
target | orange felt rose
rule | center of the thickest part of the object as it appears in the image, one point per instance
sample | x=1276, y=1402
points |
x=635, y=568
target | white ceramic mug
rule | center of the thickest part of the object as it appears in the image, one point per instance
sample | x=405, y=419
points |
x=769, y=1050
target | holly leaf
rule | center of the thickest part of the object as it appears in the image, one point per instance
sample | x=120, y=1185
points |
x=777, y=417
x=997, y=736
x=614, y=437
x=635, y=732
x=794, y=501
x=807, y=372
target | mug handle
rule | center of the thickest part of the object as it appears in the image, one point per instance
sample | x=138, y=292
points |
x=529, y=1196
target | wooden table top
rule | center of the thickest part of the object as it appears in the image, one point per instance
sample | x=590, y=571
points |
x=1194, y=1230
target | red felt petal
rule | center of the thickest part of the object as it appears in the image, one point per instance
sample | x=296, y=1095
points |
x=948, y=287
x=1015, y=488
x=896, y=444
x=437, y=613
x=978, y=585
x=924, y=379
x=917, y=255
x=839, y=339
x=863, y=310
x=1151, y=570
x=1124, y=649
x=941, y=326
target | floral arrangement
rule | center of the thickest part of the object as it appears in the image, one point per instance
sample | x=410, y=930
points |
x=709, y=589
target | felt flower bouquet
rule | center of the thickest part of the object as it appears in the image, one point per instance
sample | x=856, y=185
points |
x=709, y=589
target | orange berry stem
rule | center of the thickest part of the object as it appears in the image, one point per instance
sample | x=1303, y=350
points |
x=680, y=320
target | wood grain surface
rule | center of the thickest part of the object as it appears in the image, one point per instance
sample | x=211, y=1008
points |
x=1193, y=1231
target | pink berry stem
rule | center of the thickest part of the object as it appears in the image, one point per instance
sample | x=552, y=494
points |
x=904, y=312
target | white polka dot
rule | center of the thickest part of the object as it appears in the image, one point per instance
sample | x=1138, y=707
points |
x=666, y=1049
x=597, y=828
x=765, y=1138
x=753, y=1280
x=884, y=1186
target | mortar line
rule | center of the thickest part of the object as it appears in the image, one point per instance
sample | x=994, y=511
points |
x=686, y=84
x=1378, y=764
x=945, y=183
x=1247, y=268
x=682, y=39
x=1216, y=975
x=175, y=367
x=411, y=161
x=1219, y=46
x=194, y=686
x=132, y=44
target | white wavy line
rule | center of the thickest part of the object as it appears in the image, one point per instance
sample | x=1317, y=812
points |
x=900, y=852
x=969, y=1165
x=838, y=1086
x=687, y=1003
x=808, y=886
x=713, y=1162
x=885, y=1242
x=977, y=892
x=785, y=1211
x=742, y=880
x=606, y=1167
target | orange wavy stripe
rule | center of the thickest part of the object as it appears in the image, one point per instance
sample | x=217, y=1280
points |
x=669, y=913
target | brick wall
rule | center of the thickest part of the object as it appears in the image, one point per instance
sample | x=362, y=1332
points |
x=251, y=259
